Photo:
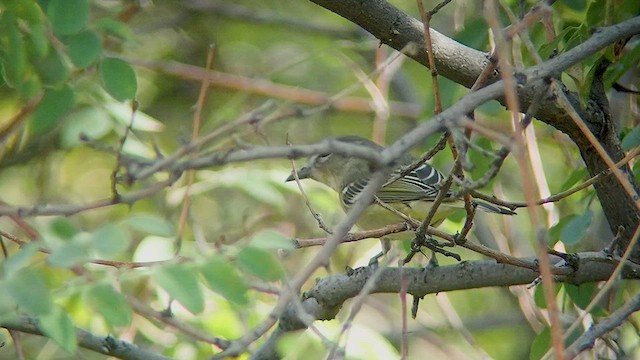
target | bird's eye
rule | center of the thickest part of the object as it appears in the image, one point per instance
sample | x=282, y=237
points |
x=320, y=159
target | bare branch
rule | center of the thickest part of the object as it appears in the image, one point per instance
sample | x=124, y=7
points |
x=106, y=345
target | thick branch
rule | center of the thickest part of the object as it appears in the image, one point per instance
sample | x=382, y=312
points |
x=325, y=299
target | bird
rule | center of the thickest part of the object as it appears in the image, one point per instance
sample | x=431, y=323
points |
x=408, y=192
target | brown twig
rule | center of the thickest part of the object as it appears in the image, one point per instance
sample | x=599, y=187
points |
x=17, y=119
x=564, y=194
x=144, y=310
x=314, y=213
x=119, y=152
x=491, y=16
x=197, y=123
x=273, y=90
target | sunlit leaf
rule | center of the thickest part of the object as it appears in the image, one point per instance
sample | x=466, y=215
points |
x=224, y=279
x=143, y=122
x=273, y=240
x=154, y=248
x=260, y=263
x=182, y=284
x=92, y=122
x=110, y=304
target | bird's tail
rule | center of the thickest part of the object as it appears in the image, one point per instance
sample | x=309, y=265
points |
x=492, y=208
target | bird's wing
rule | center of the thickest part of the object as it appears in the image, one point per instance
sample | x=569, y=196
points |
x=422, y=183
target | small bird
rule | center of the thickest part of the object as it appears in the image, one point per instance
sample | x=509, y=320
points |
x=411, y=194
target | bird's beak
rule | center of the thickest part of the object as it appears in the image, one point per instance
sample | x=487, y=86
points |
x=303, y=173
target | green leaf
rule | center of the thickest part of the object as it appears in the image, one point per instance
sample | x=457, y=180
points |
x=69, y=254
x=84, y=48
x=51, y=69
x=63, y=229
x=110, y=304
x=110, y=240
x=20, y=259
x=28, y=10
x=632, y=139
x=29, y=290
x=271, y=240
x=14, y=56
x=595, y=13
x=115, y=28
x=151, y=224
x=538, y=297
x=58, y=326
x=143, y=122
x=182, y=284
x=578, y=5
x=540, y=344
x=54, y=106
x=576, y=228
x=223, y=278
x=118, y=79
x=574, y=178
x=68, y=16
x=554, y=231
x=581, y=294
x=260, y=263
x=38, y=40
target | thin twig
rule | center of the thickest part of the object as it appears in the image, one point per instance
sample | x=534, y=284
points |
x=140, y=308
x=191, y=174
x=316, y=215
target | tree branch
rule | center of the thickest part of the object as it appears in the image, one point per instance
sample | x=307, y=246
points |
x=107, y=345
x=587, y=340
x=325, y=299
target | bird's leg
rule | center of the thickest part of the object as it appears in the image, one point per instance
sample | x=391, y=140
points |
x=433, y=261
x=430, y=243
x=386, y=246
x=436, y=247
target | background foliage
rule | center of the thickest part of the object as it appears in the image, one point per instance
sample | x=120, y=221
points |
x=182, y=283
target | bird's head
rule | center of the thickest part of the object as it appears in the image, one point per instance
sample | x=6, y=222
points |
x=337, y=170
